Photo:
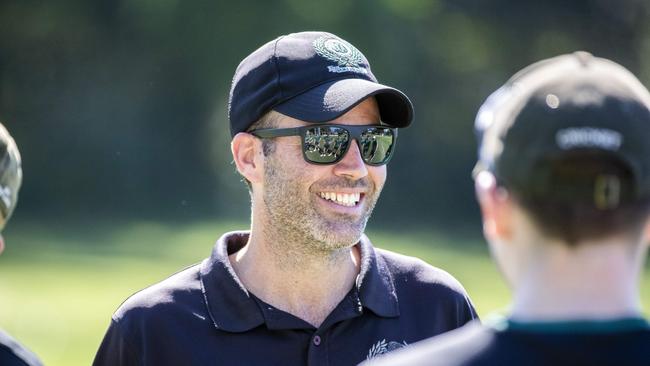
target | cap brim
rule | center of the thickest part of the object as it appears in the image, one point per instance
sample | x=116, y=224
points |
x=330, y=100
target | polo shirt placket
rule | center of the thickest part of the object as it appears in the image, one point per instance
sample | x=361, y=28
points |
x=234, y=309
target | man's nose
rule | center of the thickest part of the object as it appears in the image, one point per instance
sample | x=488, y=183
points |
x=352, y=165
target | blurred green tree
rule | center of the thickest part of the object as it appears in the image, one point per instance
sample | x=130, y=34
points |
x=119, y=107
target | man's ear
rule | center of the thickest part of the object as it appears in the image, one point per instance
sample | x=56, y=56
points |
x=248, y=156
x=496, y=207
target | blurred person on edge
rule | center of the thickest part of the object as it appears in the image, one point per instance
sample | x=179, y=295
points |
x=12, y=353
x=563, y=181
x=312, y=131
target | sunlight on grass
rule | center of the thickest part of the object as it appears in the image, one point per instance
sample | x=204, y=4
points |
x=59, y=287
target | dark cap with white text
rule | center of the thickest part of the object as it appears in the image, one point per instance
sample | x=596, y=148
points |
x=573, y=128
x=311, y=76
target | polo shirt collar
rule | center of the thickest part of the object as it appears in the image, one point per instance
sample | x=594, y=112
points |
x=233, y=309
x=375, y=283
x=229, y=304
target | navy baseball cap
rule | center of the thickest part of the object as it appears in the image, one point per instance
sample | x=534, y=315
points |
x=311, y=76
x=574, y=128
x=11, y=175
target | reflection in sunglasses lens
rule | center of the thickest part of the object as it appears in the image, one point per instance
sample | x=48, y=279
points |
x=327, y=144
x=376, y=145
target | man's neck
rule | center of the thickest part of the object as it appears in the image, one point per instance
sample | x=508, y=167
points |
x=592, y=282
x=304, y=283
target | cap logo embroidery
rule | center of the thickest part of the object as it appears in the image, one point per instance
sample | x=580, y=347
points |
x=576, y=137
x=348, y=57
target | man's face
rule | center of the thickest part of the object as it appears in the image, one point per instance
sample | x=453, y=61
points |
x=325, y=204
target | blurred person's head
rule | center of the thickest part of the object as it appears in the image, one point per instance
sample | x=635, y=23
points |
x=10, y=178
x=312, y=133
x=564, y=163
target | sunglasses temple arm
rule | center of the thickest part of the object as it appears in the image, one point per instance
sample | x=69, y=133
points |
x=276, y=132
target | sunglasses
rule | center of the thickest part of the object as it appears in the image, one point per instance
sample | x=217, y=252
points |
x=327, y=143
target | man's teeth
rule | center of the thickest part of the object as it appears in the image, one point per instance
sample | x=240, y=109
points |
x=345, y=199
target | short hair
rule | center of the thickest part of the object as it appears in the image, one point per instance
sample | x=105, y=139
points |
x=574, y=221
x=270, y=119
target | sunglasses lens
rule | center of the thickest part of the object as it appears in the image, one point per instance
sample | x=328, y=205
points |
x=376, y=145
x=325, y=144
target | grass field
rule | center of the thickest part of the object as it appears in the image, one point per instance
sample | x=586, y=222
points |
x=59, y=287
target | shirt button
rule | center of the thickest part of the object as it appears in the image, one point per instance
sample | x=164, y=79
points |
x=317, y=340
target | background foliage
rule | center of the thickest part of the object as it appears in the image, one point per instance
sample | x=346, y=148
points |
x=119, y=107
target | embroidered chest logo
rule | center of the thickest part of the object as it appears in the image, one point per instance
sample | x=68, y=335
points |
x=383, y=347
x=348, y=57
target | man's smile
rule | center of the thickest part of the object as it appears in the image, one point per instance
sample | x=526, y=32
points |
x=343, y=199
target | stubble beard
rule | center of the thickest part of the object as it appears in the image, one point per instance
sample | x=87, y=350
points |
x=297, y=228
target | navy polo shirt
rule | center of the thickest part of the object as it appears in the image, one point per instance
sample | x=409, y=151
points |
x=13, y=353
x=203, y=315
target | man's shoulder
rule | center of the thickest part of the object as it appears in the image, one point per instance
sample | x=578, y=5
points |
x=455, y=347
x=414, y=272
x=13, y=353
x=179, y=291
x=425, y=291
